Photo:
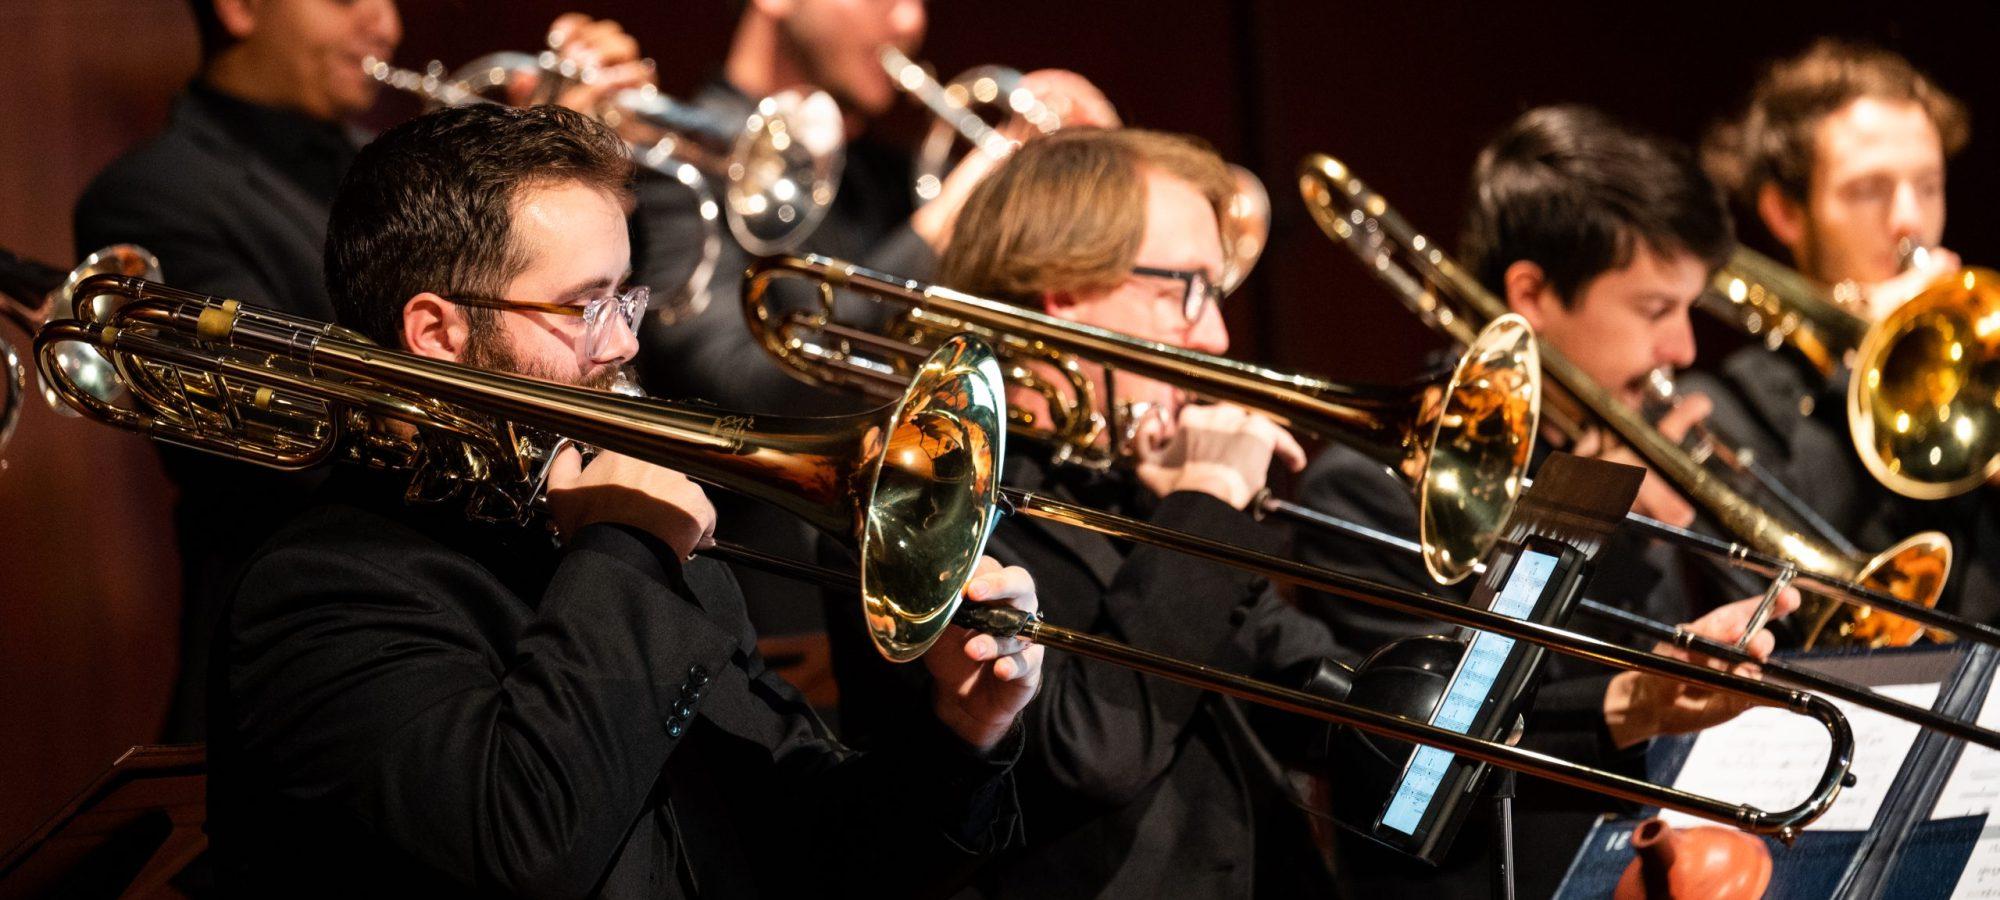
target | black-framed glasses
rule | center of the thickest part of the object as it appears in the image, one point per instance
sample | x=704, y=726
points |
x=625, y=307
x=1200, y=290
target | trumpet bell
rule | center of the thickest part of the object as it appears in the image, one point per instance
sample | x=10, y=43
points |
x=1480, y=439
x=935, y=490
x=1913, y=570
x=1246, y=226
x=1924, y=402
x=785, y=170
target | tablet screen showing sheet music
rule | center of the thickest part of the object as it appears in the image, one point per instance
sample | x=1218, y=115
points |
x=1467, y=693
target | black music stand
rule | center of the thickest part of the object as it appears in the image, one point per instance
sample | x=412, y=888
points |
x=127, y=834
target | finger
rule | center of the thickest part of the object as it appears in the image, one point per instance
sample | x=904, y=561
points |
x=1762, y=644
x=1788, y=603
x=1153, y=435
x=1289, y=450
x=563, y=26
x=566, y=470
x=1692, y=410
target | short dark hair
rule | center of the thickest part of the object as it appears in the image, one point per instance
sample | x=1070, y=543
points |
x=208, y=25
x=429, y=205
x=1571, y=190
x=1775, y=139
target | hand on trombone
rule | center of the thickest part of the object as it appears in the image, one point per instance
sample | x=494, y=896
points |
x=1219, y=449
x=1639, y=706
x=982, y=682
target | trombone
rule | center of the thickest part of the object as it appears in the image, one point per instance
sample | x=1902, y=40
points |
x=1268, y=506
x=1460, y=442
x=1246, y=219
x=1919, y=403
x=912, y=489
x=30, y=293
x=1850, y=601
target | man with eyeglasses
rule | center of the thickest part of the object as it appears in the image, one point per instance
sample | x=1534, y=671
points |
x=1138, y=787
x=416, y=703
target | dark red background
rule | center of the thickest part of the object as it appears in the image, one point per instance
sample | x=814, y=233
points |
x=1403, y=92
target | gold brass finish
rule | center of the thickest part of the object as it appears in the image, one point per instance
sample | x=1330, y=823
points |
x=84, y=365
x=916, y=491
x=1433, y=286
x=1766, y=299
x=1924, y=401
x=910, y=489
x=1461, y=442
x=955, y=106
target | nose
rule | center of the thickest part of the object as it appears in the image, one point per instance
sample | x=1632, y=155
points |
x=382, y=23
x=619, y=344
x=1674, y=345
x=906, y=24
x=1906, y=212
x=1210, y=333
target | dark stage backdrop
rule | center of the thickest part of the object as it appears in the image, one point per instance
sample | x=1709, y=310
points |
x=1403, y=92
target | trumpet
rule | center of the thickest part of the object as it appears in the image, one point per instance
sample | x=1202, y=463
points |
x=30, y=293
x=780, y=166
x=912, y=489
x=1915, y=413
x=1460, y=442
x=1850, y=601
x=1246, y=225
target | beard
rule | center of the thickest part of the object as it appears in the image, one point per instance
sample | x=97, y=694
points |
x=486, y=350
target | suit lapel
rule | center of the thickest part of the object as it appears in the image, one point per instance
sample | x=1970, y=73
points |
x=1094, y=551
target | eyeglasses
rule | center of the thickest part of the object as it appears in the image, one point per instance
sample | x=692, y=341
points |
x=1200, y=290
x=597, y=315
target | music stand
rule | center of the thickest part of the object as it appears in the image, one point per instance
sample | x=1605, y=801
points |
x=135, y=827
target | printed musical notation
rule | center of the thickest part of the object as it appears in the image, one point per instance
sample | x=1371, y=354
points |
x=1771, y=759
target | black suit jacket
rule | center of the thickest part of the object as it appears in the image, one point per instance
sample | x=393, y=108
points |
x=1565, y=719
x=417, y=705
x=1796, y=420
x=233, y=198
x=712, y=356
x=1133, y=786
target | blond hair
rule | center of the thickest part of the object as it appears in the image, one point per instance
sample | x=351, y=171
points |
x=1067, y=212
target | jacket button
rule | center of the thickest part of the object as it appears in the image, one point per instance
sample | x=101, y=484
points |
x=683, y=709
x=674, y=729
x=697, y=675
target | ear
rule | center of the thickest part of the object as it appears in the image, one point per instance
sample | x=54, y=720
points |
x=434, y=327
x=1061, y=304
x=1784, y=217
x=1529, y=294
x=239, y=17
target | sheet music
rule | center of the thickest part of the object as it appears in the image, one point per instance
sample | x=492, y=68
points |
x=1974, y=789
x=1771, y=759
x=1974, y=786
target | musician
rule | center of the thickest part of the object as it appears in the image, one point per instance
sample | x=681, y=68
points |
x=233, y=197
x=414, y=703
x=1601, y=238
x=783, y=45
x=832, y=45
x=1135, y=787
x=1840, y=155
